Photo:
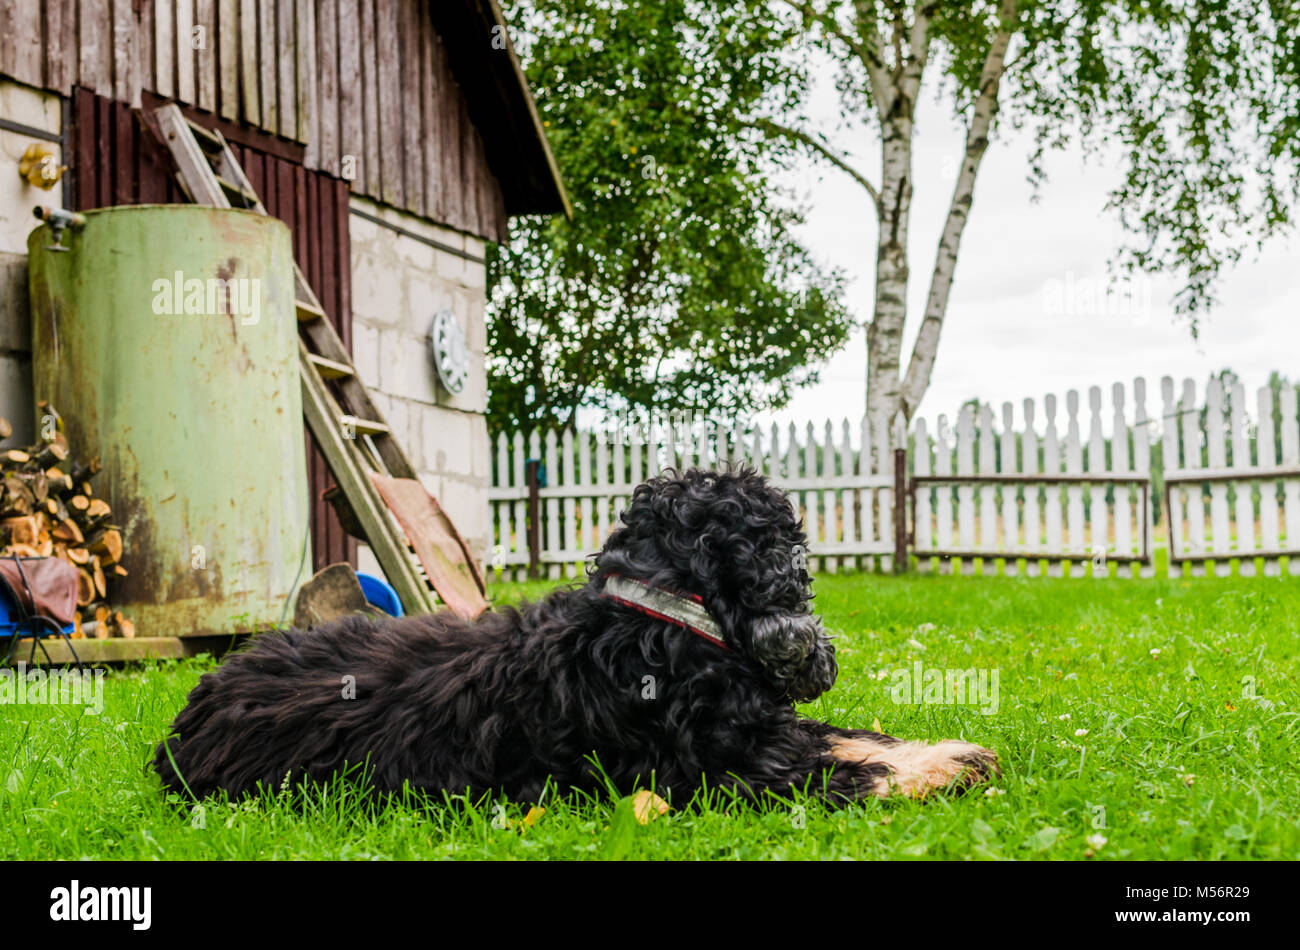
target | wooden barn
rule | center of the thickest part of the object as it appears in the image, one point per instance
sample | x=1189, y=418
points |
x=395, y=137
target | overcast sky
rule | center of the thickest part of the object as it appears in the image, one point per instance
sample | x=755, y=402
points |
x=1006, y=336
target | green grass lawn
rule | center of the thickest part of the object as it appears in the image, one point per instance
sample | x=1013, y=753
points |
x=1160, y=716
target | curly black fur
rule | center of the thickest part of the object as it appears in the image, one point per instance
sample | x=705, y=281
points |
x=519, y=696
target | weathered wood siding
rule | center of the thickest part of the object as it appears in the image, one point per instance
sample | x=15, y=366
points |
x=364, y=85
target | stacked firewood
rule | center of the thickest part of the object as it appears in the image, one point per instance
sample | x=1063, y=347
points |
x=48, y=508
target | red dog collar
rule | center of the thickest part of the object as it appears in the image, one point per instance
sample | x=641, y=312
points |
x=685, y=610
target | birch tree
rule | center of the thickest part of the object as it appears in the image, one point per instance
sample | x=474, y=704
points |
x=1200, y=94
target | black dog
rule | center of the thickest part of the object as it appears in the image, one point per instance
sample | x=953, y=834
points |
x=678, y=663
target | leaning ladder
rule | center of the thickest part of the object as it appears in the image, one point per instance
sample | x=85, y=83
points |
x=350, y=431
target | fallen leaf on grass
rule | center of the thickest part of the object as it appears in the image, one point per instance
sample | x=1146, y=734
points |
x=647, y=806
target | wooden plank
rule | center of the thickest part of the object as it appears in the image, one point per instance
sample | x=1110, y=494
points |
x=923, y=499
x=411, y=16
x=439, y=546
x=811, y=516
x=885, y=496
x=205, y=43
x=552, y=504
x=267, y=45
x=286, y=64
x=831, y=526
x=186, y=60
x=352, y=143
x=453, y=174
x=602, y=482
x=1290, y=438
x=391, y=114
x=200, y=183
x=1029, y=466
x=469, y=169
x=227, y=42
x=1119, y=437
x=846, y=500
x=1075, y=540
x=164, y=48
x=113, y=650
x=326, y=110
x=566, y=473
x=1099, y=545
x=589, y=537
x=430, y=154
x=1216, y=445
x=1195, y=500
x=1270, y=537
x=505, y=536
x=1010, y=514
x=250, y=75
x=965, y=493
x=22, y=40
x=306, y=122
x=126, y=168
x=371, y=174
x=1174, y=515
x=54, y=54
x=1245, y=504
x=94, y=56
x=1052, y=495
x=988, y=515
x=1142, y=466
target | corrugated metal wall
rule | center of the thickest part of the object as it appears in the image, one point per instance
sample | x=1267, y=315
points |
x=116, y=161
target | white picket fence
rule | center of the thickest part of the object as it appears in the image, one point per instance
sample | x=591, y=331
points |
x=846, y=501
x=1035, y=494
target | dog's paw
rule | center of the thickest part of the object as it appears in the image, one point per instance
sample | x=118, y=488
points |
x=918, y=768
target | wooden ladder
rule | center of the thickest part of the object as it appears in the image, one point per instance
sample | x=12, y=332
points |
x=358, y=445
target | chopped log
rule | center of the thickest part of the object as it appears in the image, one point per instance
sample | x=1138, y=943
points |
x=22, y=530
x=23, y=550
x=102, y=615
x=108, y=546
x=78, y=630
x=123, y=626
x=67, y=530
x=120, y=571
x=53, y=453
x=97, y=573
x=60, y=482
x=39, y=485
x=85, y=588
x=18, y=498
x=6, y=429
x=83, y=473
x=98, y=509
x=79, y=503
x=77, y=556
x=51, y=506
x=15, y=456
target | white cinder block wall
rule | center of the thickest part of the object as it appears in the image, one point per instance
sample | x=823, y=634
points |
x=20, y=104
x=398, y=284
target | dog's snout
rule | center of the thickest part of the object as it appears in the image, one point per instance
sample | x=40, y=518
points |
x=796, y=653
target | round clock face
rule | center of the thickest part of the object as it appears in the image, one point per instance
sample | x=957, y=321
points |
x=450, y=355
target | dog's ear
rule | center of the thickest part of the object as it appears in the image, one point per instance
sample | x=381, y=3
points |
x=795, y=652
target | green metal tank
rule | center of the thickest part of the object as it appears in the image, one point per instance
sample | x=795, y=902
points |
x=165, y=338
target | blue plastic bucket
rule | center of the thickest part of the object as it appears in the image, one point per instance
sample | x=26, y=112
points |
x=380, y=594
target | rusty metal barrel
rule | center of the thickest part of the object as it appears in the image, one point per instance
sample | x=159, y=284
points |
x=165, y=338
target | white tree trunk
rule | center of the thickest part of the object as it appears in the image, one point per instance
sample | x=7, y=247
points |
x=921, y=365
